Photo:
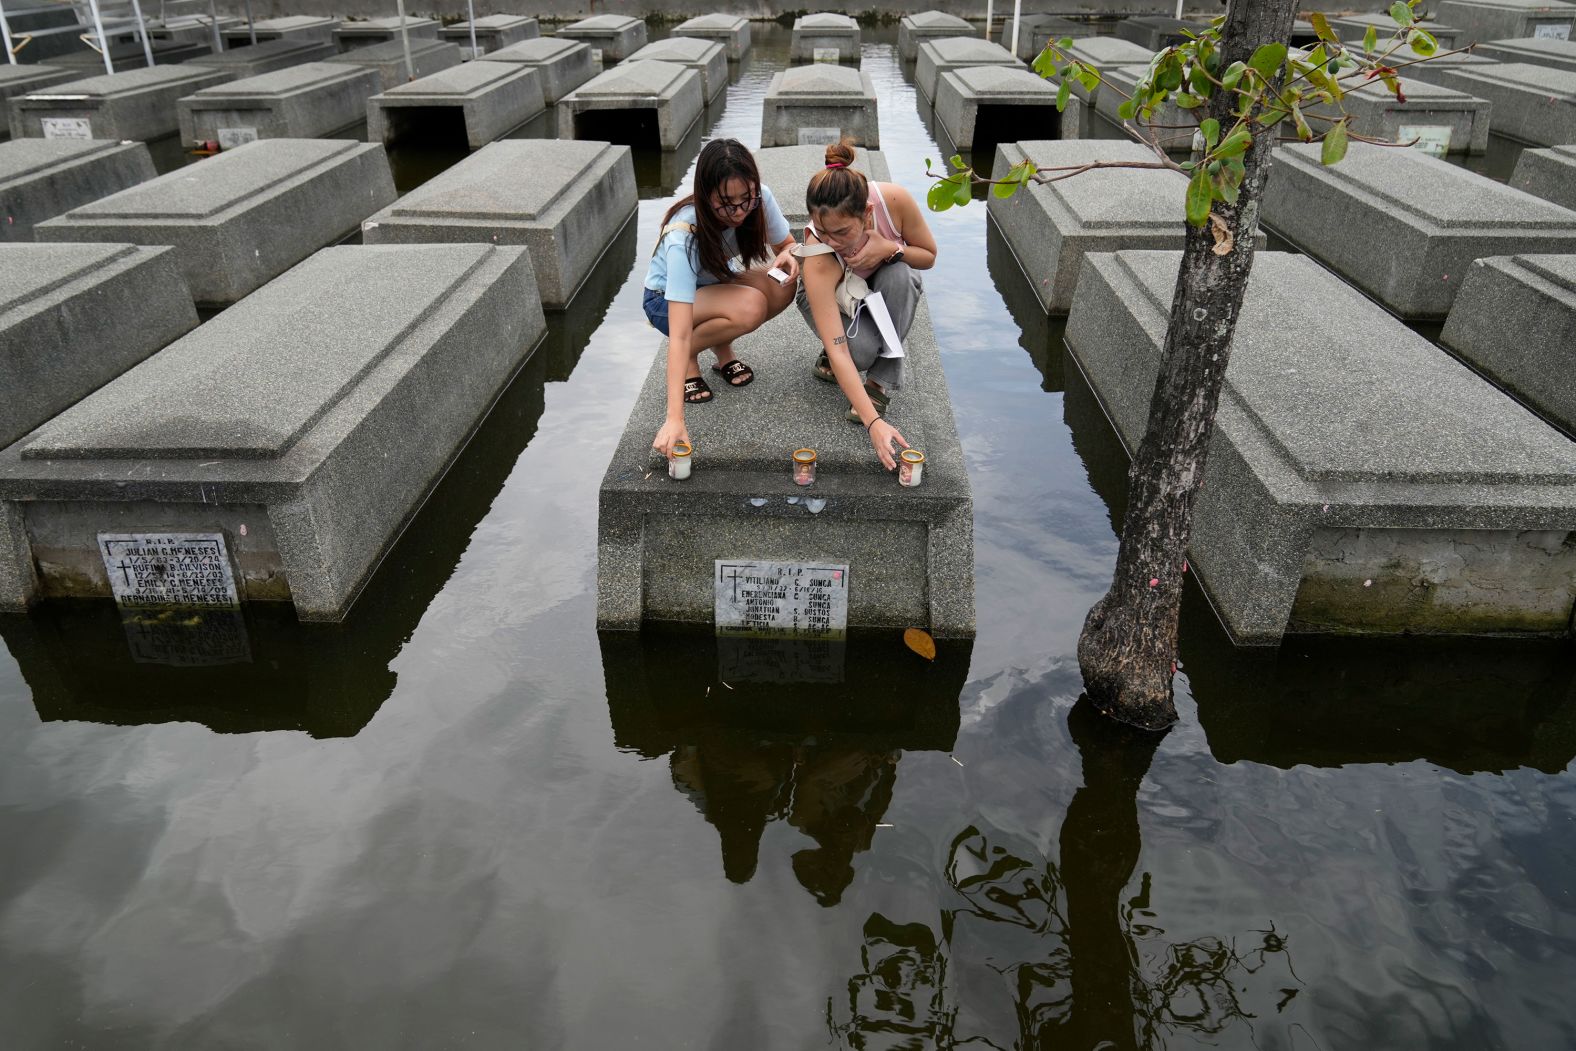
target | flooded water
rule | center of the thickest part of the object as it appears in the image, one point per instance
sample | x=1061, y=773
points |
x=463, y=819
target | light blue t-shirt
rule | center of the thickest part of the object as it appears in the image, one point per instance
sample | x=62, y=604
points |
x=675, y=267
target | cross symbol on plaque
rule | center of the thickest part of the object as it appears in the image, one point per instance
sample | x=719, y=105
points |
x=733, y=575
x=125, y=571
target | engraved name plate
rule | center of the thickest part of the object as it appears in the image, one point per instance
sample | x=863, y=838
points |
x=1432, y=139
x=819, y=136
x=163, y=570
x=825, y=54
x=230, y=138
x=66, y=127
x=797, y=600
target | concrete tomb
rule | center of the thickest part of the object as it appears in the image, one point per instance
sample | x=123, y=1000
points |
x=1438, y=68
x=579, y=196
x=492, y=32
x=636, y=103
x=707, y=57
x=41, y=178
x=1535, y=104
x=1549, y=174
x=1359, y=480
x=244, y=217
x=351, y=35
x=73, y=317
x=612, y=38
x=825, y=38
x=914, y=30
x=300, y=102
x=820, y=104
x=1403, y=226
x=909, y=552
x=1050, y=227
x=138, y=104
x=190, y=29
x=1443, y=119
x=131, y=56
x=787, y=170
x=20, y=80
x=490, y=99
x=282, y=445
x=731, y=31
x=1104, y=53
x=427, y=56
x=292, y=27
x=1174, y=127
x=990, y=104
x=251, y=60
x=1484, y=20
x=1155, y=31
x=1352, y=28
x=563, y=64
x=1549, y=51
x=1035, y=31
x=1515, y=322
x=942, y=56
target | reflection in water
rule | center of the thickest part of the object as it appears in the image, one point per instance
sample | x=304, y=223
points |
x=1039, y=333
x=821, y=757
x=1084, y=967
x=261, y=669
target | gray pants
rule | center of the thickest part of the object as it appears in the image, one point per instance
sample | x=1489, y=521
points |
x=901, y=287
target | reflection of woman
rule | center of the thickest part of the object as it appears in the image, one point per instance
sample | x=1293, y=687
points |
x=703, y=287
x=876, y=230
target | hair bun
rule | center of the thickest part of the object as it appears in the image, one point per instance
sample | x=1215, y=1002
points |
x=840, y=153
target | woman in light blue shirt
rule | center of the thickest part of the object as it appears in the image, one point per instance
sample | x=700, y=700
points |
x=707, y=284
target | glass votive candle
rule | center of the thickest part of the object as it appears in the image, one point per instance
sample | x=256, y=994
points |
x=910, y=467
x=679, y=462
x=803, y=466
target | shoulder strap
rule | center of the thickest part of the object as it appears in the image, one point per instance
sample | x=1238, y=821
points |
x=807, y=248
x=688, y=228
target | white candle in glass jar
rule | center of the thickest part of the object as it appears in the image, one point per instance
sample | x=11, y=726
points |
x=679, y=461
x=910, y=467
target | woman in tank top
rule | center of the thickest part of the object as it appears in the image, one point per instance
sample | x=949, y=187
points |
x=879, y=231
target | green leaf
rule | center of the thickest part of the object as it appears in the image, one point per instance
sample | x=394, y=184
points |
x=1211, y=129
x=1233, y=74
x=964, y=193
x=1027, y=177
x=1423, y=43
x=1005, y=188
x=1236, y=143
x=1198, y=198
x=1187, y=101
x=1334, y=144
x=1267, y=59
x=1223, y=188
x=1370, y=39
x=1127, y=109
x=927, y=164
x=939, y=197
x=1402, y=13
x=1170, y=76
x=957, y=162
x=1063, y=93
x=1064, y=43
x=1088, y=77
x=1304, y=132
x=1199, y=81
x=1045, y=64
x=1321, y=26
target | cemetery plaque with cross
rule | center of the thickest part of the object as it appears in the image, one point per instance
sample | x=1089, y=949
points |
x=800, y=600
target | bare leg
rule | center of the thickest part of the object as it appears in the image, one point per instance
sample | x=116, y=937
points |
x=723, y=313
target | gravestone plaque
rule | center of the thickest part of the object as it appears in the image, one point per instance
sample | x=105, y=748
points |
x=1432, y=139
x=230, y=138
x=825, y=54
x=819, y=136
x=798, y=600
x=66, y=127
x=596, y=56
x=164, y=570
x=1551, y=32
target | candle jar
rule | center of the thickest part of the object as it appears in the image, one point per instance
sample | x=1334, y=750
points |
x=910, y=467
x=679, y=461
x=803, y=466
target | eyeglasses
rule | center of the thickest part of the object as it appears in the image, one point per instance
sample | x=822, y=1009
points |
x=739, y=207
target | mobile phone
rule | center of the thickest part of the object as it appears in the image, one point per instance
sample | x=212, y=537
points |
x=778, y=274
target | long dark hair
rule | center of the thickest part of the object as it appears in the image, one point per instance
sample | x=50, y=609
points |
x=721, y=160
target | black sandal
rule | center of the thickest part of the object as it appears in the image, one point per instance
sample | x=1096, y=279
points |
x=695, y=391
x=732, y=370
x=823, y=369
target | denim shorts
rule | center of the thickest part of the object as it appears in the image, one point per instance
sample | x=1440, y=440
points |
x=656, y=304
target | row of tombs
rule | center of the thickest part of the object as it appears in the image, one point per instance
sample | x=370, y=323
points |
x=1362, y=480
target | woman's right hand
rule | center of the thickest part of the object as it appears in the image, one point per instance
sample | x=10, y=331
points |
x=672, y=431
x=882, y=435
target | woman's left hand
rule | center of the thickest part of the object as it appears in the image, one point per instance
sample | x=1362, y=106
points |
x=787, y=262
x=876, y=251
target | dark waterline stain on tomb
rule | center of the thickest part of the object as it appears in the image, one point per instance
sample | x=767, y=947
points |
x=464, y=816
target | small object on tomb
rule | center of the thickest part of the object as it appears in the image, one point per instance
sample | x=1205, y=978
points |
x=679, y=462
x=911, y=467
x=803, y=466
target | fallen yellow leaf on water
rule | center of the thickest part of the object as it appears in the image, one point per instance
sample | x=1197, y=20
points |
x=920, y=642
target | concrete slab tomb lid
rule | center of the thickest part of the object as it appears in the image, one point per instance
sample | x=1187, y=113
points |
x=982, y=83
x=714, y=22
x=1434, y=96
x=1433, y=194
x=1121, y=199
x=208, y=189
x=937, y=20
x=29, y=272
x=250, y=382
x=821, y=78
x=306, y=77
x=265, y=49
x=602, y=24
x=293, y=22
x=826, y=20
x=542, y=49
x=16, y=79
x=1536, y=7
x=1341, y=406
x=640, y=79
x=787, y=170
x=390, y=24
x=968, y=49
x=1542, y=80
x=487, y=185
x=681, y=49
x=24, y=158
x=1103, y=51
x=1539, y=51
x=391, y=51
x=147, y=78
x=468, y=79
x=491, y=22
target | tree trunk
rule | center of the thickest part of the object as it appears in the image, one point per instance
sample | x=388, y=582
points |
x=1129, y=641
